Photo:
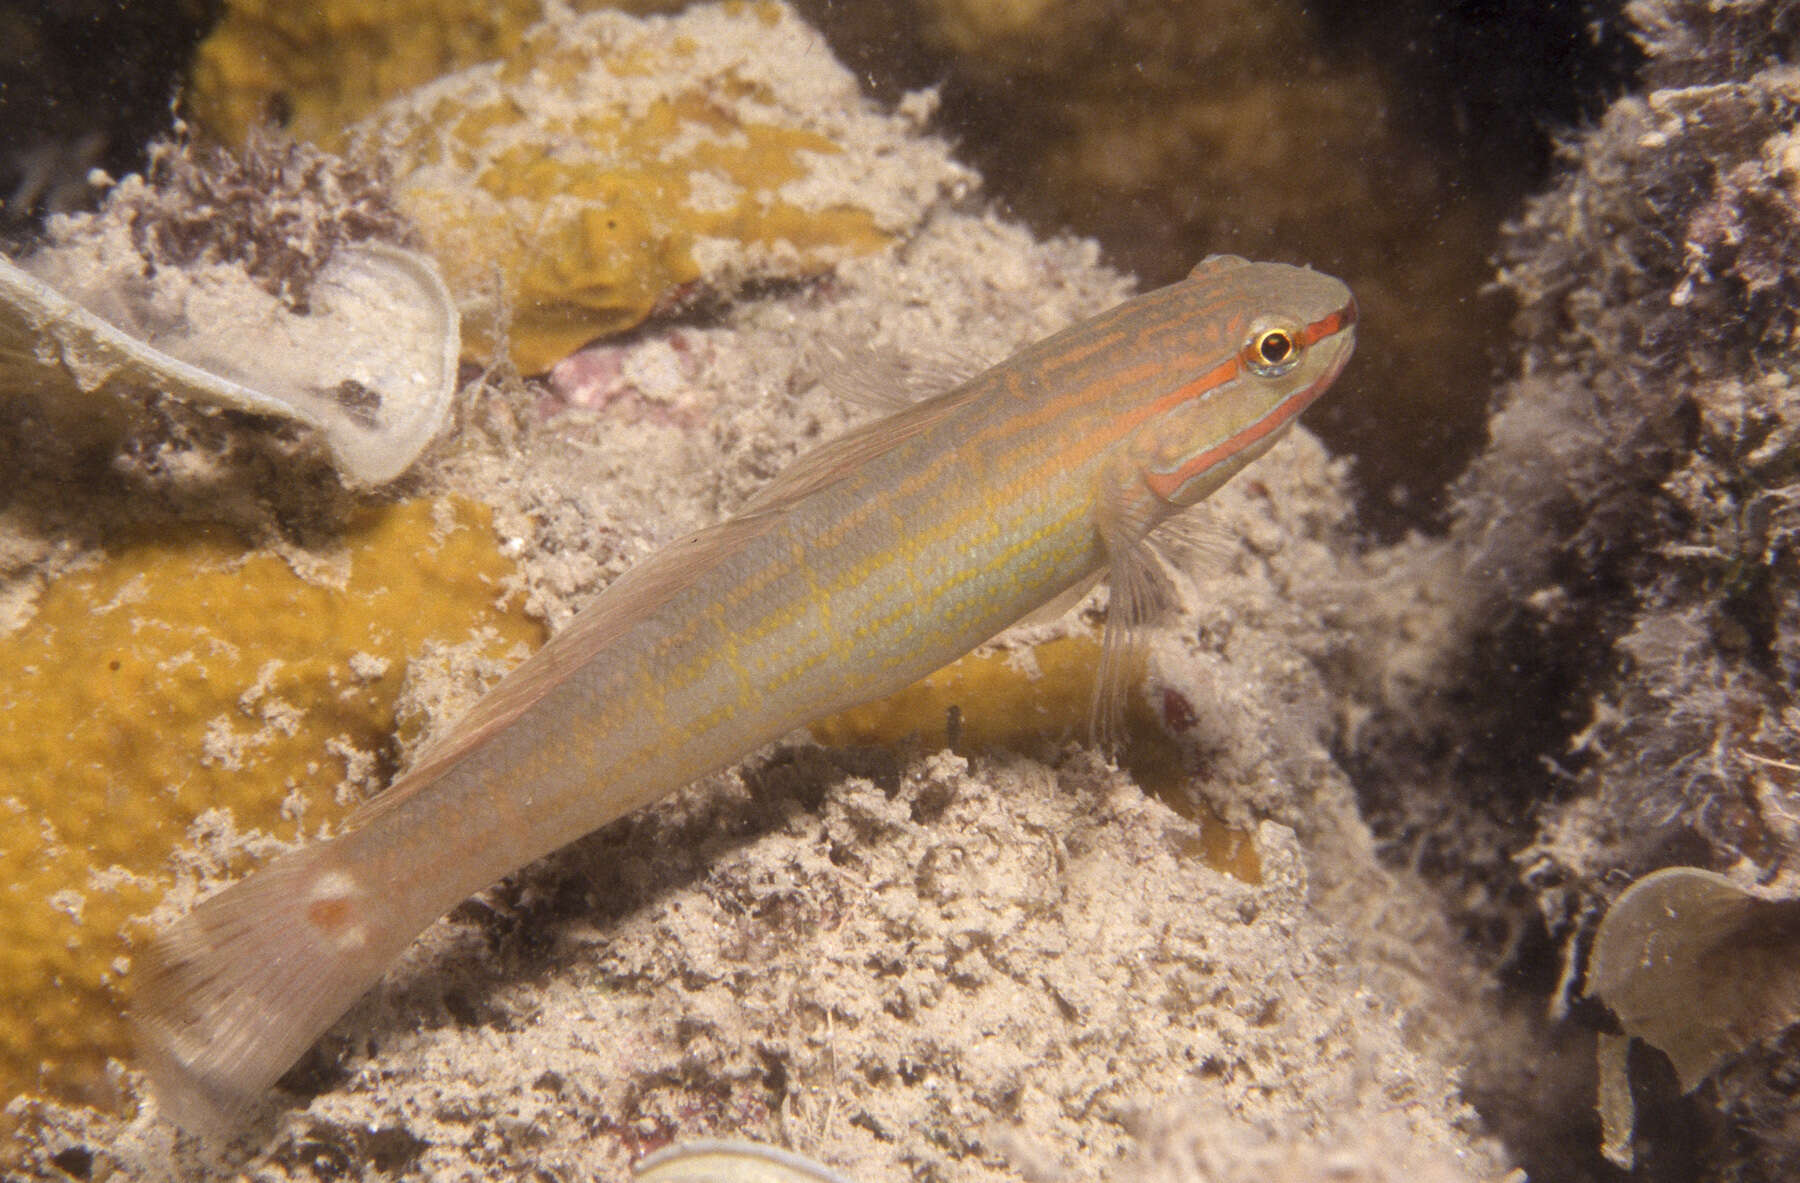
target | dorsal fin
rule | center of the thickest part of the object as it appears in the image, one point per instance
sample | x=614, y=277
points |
x=831, y=462
x=890, y=380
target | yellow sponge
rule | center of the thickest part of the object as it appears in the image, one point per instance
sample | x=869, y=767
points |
x=314, y=69
x=613, y=166
x=181, y=674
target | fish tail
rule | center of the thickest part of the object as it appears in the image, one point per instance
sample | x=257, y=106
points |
x=230, y=995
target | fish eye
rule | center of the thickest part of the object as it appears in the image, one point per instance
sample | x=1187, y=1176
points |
x=1272, y=352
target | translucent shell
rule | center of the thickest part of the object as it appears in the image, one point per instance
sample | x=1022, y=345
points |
x=727, y=1161
x=371, y=366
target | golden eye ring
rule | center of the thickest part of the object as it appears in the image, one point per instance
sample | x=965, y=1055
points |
x=1272, y=352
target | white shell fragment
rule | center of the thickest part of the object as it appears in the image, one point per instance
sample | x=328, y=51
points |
x=721, y=1161
x=371, y=366
x=1696, y=965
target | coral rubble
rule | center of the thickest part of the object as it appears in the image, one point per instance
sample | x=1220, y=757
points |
x=906, y=961
x=863, y=955
x=1594, y=675
x=611, y=167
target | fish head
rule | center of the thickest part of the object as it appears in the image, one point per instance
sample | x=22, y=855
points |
x=1276, y=337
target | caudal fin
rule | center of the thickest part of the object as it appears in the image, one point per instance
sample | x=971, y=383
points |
x=230, y=995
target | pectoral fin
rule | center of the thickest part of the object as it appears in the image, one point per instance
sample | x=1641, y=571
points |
x=1124, y=519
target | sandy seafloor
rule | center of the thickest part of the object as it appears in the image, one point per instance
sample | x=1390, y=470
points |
x=905, y=963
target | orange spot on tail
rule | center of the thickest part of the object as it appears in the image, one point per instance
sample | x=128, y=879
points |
x=329, y=916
